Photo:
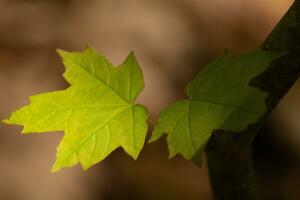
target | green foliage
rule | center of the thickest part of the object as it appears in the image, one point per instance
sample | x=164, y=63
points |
x=97, y=112
x=219, y=98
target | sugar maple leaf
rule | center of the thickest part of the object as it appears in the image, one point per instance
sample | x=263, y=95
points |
x=219, y=98
x=97, y=112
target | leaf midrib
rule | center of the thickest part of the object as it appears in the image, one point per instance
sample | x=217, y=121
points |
x=97, y=79
x=81, y=107
x=224, y=105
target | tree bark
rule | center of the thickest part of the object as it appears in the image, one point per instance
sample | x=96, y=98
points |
x=229, y=153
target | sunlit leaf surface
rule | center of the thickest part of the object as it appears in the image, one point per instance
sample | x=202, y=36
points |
x=97, y=112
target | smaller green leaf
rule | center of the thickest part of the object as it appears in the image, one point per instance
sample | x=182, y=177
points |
x=219, y=98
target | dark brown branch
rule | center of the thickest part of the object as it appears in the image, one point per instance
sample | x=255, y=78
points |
x=229, y=154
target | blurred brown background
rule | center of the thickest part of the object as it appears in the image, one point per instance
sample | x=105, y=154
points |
x=172, y=39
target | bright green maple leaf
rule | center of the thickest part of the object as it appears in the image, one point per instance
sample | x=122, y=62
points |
x=219, y=98
x=97, y=112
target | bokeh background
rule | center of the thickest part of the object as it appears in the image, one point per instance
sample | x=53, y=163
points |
x=172, y=39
